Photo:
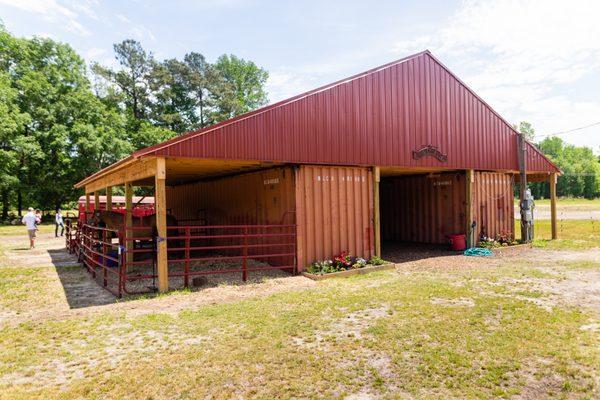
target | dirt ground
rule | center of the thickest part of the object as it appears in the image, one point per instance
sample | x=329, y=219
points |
x=571, y=286
x=565, y=279
x=543, y=212
x=580, y=287
x=82, y=295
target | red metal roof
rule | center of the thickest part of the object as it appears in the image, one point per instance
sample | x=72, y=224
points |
x=378, y=117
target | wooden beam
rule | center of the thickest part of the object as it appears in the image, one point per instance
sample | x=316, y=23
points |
x=128, y=223
x=87, y=205
x=140, y=169
x=552, y=182
x=160, y=205
x=96, y=200
x=470, y=176
x=109, y=198
x=376, y=212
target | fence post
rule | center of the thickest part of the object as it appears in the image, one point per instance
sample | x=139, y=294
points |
x=245, y=254
x=186, y=278
x=104, y=251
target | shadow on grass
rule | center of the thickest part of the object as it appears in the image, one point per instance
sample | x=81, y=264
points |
x=80, y=289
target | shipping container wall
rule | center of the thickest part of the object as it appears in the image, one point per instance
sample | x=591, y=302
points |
x=334, y=209
x=422, y=208
x=493, y=204
x=264, y=197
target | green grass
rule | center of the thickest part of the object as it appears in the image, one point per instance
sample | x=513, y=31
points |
x=572, y=234
x=299, y=345
x=473, y=332
x=11, y=230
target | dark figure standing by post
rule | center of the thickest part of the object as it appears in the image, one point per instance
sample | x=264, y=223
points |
x=58, y=221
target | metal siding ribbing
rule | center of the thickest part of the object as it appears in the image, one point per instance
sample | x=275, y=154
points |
x=334, y=210
x=377, y=118
x=422, y=208
x=492, y=203
x=265, y=197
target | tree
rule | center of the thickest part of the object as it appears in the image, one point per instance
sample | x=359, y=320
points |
x=239, y=88
x=581, y=169
x=200, y=78
x=63, y=132
x=527, y=130
x=56, y=128
x=11, y=122
x=133, y=77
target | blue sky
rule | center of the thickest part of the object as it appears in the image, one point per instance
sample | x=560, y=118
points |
x=531, y=60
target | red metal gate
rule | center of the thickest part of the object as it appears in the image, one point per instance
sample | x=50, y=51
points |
x=192, y=251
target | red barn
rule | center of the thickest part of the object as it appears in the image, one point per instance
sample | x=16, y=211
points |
x=402, y=152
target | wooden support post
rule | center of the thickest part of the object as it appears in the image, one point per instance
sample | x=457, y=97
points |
x=471, y=240
x=160, y=204
x=376, y=212
x=128, y=224
x=87, y=205
x=109, y=198
x=96, y=200
x=552, y=182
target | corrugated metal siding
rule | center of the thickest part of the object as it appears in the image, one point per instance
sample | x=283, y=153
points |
x=422, y=208
x=334, y=209
x=376, y=118
x=264, y=197
x=493, y=205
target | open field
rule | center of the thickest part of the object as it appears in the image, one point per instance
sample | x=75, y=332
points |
x=524, y=325
x=572, y=234
x=566, y=208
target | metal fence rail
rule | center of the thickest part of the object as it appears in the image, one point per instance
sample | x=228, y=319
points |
x=192, y=250
x=101, y=256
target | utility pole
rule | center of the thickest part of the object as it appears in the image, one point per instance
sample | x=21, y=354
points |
x=525, y=199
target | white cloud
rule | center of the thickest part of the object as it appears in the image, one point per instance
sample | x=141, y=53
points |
x=283, y=84
x=122, y=18
x=522, y=56
x=141, y=32
x=55, y=12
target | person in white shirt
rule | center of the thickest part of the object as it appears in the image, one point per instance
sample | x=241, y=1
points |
x=58, y=221
x=30, y=220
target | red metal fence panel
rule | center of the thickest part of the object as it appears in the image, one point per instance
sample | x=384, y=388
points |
x=192, y=251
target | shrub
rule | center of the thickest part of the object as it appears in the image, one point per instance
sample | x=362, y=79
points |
x=376, y=260
x=321, y=267
x=359, y=263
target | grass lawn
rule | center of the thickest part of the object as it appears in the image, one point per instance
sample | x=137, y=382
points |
x=11, y=230
x=474, y=331
x=572, y=234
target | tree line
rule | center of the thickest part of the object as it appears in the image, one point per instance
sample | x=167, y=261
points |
x=579, y=164
x=60, y=121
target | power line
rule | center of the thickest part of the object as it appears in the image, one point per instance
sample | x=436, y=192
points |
x=571, y=130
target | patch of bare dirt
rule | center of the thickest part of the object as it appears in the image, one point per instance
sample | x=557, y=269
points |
x=79, y=359
x=49, y=250
x=81, y=295
x=460, y=302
